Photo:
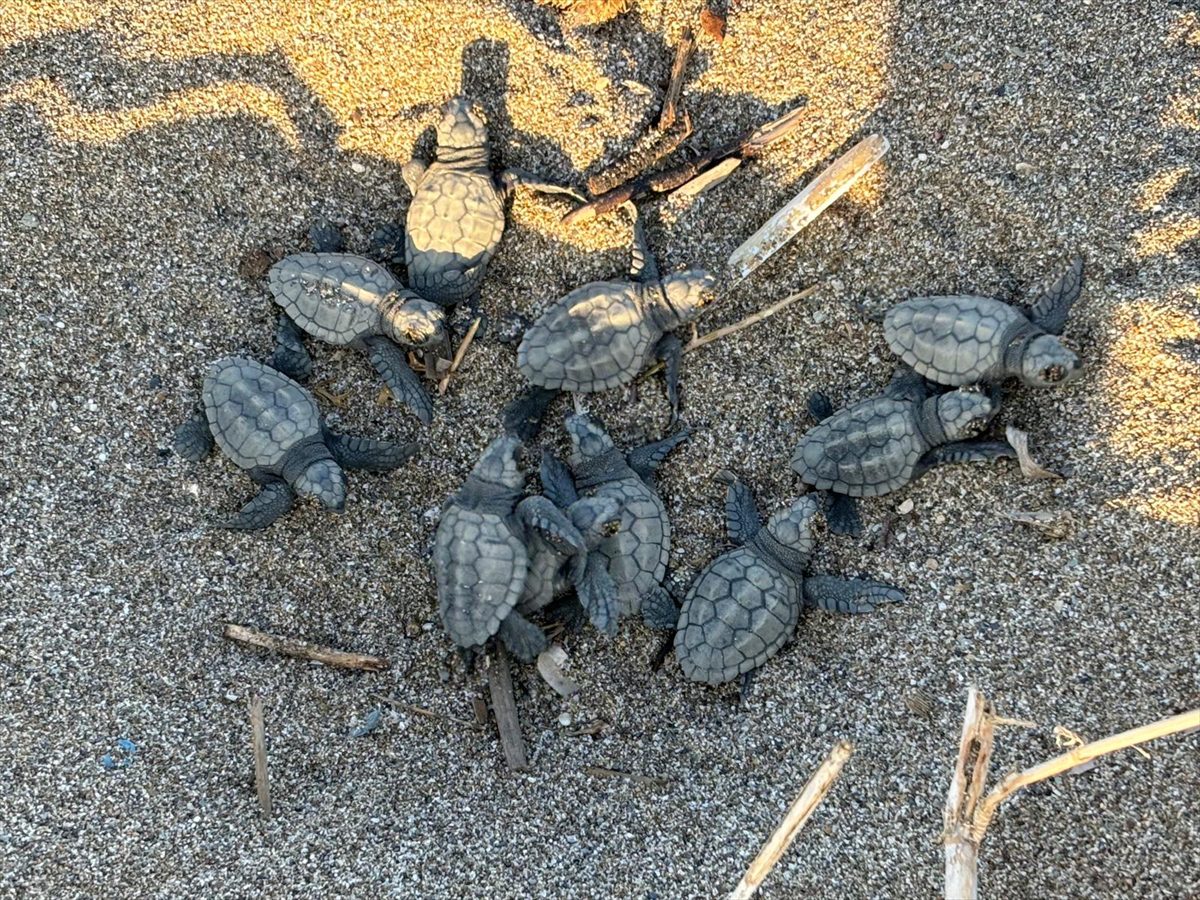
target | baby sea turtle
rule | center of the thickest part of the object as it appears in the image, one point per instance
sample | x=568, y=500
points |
x=637, y=554
x=481, y=553
x=271, y=427
x=880, y=444
x=744, y=605
x=603, y=334
x=350, y=301
x=456, y=216
x=960, y=340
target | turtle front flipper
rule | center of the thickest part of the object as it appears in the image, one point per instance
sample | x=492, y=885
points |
x=275, y=499
x=540, y=515
x=659, y=609
x=369, y=455
x=670, y=350
x=387, y=244
x=906, y=384
x=598, y=594
x=842, y=515
x=325, y=237
x=645, y=460
x=389, y=362
x=522, y=638
x=964, y=452
x=557, y=483
x=1054, y=301
x=511, y=179
x=413, y=172
x=742, y=520
x=523, y=417
x=290, y=356
x=643, y=267
x=194, y=438
x=848, y=595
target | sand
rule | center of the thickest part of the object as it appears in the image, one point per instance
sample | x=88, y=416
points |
x=148, y=148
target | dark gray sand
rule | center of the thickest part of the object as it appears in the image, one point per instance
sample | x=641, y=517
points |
x=146, y=151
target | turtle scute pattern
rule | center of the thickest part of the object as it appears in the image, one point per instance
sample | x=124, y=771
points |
x=737, y=614
x=454, y=225
x=953, y=340
x=334, y=296
x=256, y=414
x=640, y=550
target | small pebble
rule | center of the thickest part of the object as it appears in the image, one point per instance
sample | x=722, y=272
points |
x=905, y=508
x=564, y=720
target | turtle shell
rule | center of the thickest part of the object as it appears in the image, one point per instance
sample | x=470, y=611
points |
x=595, y=338
x=640, y=549
x=480, y=564
x=864, y=450
x=545, y=577
x=737, y=614
x=454, y=225
x=952, y=340
x=335, y=297
x=257, y=415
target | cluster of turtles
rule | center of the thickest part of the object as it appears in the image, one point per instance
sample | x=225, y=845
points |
x=596, y=541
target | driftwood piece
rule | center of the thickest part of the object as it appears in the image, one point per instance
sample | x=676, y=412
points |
x=258, y=743
x=968, y=812
x=294, y=647
x=683, y=53
x=650, y=148
x=504, y=705
x=707, y=179
x=798, y=813
x=746, y=147
x=802, y=209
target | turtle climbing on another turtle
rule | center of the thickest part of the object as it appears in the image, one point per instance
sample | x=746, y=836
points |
x=351, y=301
x=481, y=553
x=880, y=444
x=456, y=217
x=638, y=553
x=957, y=340
x=604, y=333
x=744, y=605
x=270, y=426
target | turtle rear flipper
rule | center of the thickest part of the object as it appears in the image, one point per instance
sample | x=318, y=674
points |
x=842, y=515
x=848, y=595
x=670, y=350
x=742, y=521
x=389, y=362
x=194, y=439
x=1054, y=301
x=367, y=454
x=659, y=609
x=557, y=483
x=523, y=417
x=290, y=355
x=522, y=638
x=275, y=499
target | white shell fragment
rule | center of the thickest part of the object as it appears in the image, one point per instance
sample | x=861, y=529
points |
x=549, y=666
x=808, y=204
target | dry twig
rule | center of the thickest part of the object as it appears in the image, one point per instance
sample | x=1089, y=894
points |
x=458, y=355
x=258, y=743
x=675, y=86
x=294, y=647
x=504, y=705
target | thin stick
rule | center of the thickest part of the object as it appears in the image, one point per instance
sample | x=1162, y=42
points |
x=649, y=149
x=258, y=743
x=753, y=319
x=1078, y=756
x=810, y=798
x=504, y=704
x=294, y=647
x=458, y=355
x=675, y=86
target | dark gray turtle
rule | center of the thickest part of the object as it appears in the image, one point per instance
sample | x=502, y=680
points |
x=638, y=553
x=880, y=444
x=481, y=553
x=456, y=216
x=271, y=427
x=744, y=605
x=350, y=301
x=960, y=339
x=603, y=334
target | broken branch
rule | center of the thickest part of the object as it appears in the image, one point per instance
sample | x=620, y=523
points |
x=810, y=798
x=299, y=649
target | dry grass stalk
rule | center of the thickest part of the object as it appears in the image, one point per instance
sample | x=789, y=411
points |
x=458, y=355
x=258, y=743
x=298, y=649
x=810, y=798
x=504, y=705
x=683, y=53
x=1030, y=467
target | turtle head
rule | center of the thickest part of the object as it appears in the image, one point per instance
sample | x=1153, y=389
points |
x=325, y=482
x=966, y=412
x=1048, y=363
x=792, y=527
x=463, y=126
x=687, y=293
x=417, y=323
x=588, y=439
x=499, y=464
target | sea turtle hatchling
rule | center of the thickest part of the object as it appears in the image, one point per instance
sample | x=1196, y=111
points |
x=481, y=553
x=456, y=216
x=638, y=553
x=271, y=427
x=743, y=606
x=958, y=340
x=604, y=333
x=880, y=444
x=347, y=300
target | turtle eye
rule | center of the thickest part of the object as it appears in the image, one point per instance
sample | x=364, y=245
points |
x=1053, y=373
